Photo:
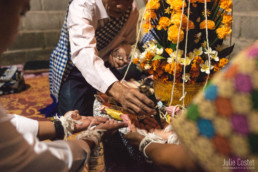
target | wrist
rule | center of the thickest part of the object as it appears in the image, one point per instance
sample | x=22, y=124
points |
x=59, y=130
x=115, y=90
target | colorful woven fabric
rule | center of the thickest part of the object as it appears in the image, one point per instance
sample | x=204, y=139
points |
x=220, y=127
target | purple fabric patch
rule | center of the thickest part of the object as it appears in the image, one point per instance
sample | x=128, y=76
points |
x=243, y=83
x=240, y=124
x=253, y=52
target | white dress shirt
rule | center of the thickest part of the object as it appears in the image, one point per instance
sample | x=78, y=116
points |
x=84, y=17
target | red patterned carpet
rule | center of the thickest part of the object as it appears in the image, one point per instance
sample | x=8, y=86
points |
x=28, y=102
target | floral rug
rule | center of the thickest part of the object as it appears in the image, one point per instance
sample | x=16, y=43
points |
x=28, y=102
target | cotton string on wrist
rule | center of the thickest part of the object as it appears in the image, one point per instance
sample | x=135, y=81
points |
x=147, y=140
x=68, y=124
x=92, y=134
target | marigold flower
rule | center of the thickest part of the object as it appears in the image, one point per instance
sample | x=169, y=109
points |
x=163, y=65
x=176, y=20
x=210, y=24
x=173, y=34
x=226, y=5
x=216, y=67
x=150, y=71
x=143, y=65
x=169, y=50
x=169, y=68
x=159, y=71
x=190, y=25
x=223, y=62
x=147, y=27
x=223, y=31
x=193, y=1
x=155, y=64
x=198, y=60
x=164, y=22
x=227, y=19
x=135, y=60
x=149, y=14
x=203, y=1
x=155, y=75
x=153, y=5
x=176, y=5
x=149, y=56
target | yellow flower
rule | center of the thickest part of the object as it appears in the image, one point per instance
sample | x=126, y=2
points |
x=176, y=5
x=176, y=20
x=208, y=13
x=227, y=19
x=223, y=31
x=149, y=14
x=155, y=64
x=147, y=27
x=203, y=1
x=168, y=10
x=173, y=34
x=135, y=61
x=164, y=22
x=169, y=68
x=153, y=5
x=226, y=5
x=210, y=24
x=205, y=67
x=169, y=50
x=223, y=62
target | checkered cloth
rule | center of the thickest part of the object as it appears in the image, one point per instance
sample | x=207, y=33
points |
x=147, y=37
x=60, y=59
x=107, y=33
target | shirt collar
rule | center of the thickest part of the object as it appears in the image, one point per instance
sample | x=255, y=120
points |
x=102, y=9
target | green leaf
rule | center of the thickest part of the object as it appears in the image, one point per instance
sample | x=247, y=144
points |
x=157, y=57
x=173, y=46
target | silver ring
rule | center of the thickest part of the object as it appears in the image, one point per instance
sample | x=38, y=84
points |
x=119, y=58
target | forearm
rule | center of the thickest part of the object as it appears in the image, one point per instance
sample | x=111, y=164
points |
x=170, y=156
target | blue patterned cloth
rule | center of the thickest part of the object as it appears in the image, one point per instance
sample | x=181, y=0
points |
x=60, y=59
x=147, y=37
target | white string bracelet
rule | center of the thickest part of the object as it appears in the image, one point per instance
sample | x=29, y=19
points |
x=93, y=135
x=146, y=141
x=68, y=124
x=173, y=139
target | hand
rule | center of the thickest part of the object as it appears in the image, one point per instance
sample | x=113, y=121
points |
x=85, y=120
x=134, y=138
x=132, y=100
x=118, y=58
x=111, y=126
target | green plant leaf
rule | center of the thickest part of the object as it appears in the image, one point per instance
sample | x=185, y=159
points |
x=157, y=57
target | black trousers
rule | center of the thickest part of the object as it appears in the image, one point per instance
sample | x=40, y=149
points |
x=77, y=94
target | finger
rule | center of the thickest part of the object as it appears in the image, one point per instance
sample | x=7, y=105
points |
x=133, y=128
x=101, y=119
x=139, y=108
x=125, y=58
x=111, y=61
x=118, y=63
x=143, y=98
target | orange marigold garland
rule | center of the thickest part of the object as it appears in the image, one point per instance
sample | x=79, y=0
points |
x=163, y=19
